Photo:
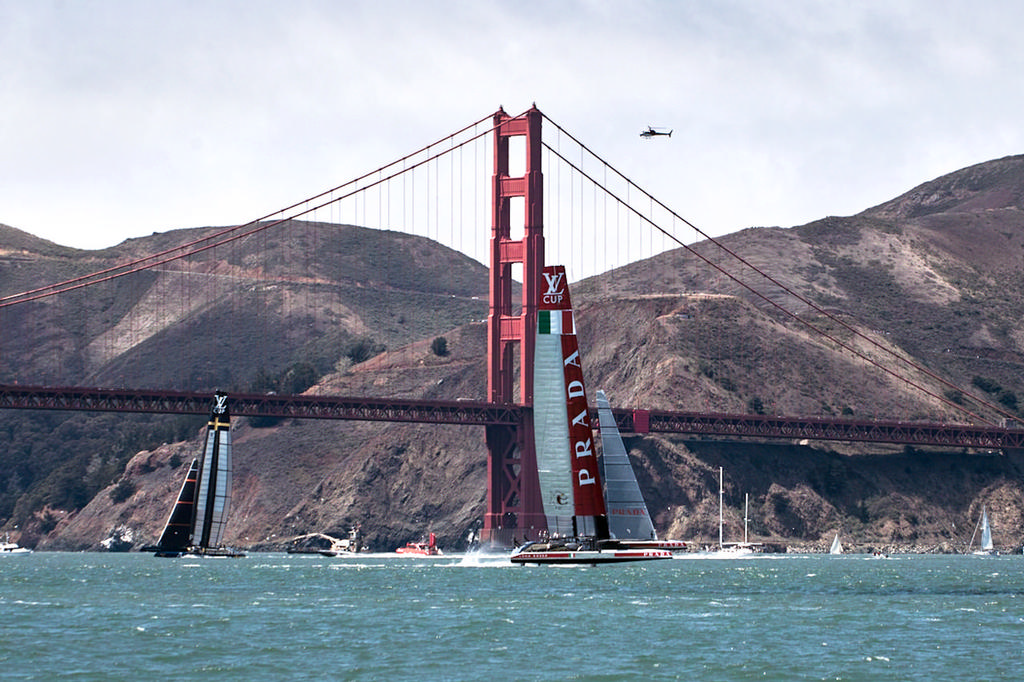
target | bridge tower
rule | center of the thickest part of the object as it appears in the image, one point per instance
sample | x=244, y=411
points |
x=514, y=508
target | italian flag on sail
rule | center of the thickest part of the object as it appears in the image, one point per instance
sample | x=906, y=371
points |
x=555, y=322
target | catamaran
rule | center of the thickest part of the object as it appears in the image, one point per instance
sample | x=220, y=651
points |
x=567, y=466
x=196, y=524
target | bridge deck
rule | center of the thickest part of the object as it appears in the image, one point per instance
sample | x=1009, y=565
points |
x=475, y=413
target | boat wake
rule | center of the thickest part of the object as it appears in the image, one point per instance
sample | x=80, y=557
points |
x=484, y=560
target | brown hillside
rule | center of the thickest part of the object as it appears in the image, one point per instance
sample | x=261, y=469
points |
x=299, y=291
x=933, y=276
x=984, y=187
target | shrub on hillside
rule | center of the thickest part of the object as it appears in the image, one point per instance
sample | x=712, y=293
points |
x=362, y=349
x=124, y=489
x=439, y=346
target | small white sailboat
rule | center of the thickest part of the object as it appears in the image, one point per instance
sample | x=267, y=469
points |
x=196, y=524
x=837, y=546
x=567, y=468
x=986, y=535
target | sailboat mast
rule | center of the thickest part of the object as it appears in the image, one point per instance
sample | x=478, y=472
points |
x=746, y=514
x=721, y=495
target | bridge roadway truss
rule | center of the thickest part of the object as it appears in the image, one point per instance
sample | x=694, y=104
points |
x=475, y=413
x=741, y=426
x=467, y=413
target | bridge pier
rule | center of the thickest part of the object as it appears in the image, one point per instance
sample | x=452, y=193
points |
x=513, y=504
x=512, y=479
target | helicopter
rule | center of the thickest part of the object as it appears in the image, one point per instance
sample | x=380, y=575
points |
x=652, y=132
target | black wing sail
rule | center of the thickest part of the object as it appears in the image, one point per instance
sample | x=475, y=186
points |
x=177, y=535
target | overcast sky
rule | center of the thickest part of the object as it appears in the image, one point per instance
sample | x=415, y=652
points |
x=119, y=118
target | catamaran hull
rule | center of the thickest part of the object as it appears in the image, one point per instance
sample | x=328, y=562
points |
x=617, y=556
x=206, y=553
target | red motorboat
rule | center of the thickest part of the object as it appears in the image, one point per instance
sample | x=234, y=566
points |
x=428, y=548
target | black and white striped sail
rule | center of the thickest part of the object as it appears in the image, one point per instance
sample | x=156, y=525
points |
x=213, y=498
x=627, y=512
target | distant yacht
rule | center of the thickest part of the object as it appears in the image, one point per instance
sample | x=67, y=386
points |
x=733, y=548
x=8, y=547
x=350, y=545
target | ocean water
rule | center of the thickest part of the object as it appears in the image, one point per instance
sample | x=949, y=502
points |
x=384, y=617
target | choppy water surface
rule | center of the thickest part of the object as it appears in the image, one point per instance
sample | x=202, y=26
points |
x=373, y=617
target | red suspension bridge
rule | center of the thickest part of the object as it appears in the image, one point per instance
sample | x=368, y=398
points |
x=422, y=193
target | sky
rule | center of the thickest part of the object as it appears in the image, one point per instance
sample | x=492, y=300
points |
x=120, y=118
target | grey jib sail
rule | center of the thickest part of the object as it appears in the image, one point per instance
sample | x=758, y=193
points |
x=627, y=511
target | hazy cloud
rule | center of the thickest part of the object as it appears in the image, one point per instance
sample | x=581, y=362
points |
x=120, y=118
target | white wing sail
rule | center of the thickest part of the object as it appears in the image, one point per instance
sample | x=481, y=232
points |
x=551, y=429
